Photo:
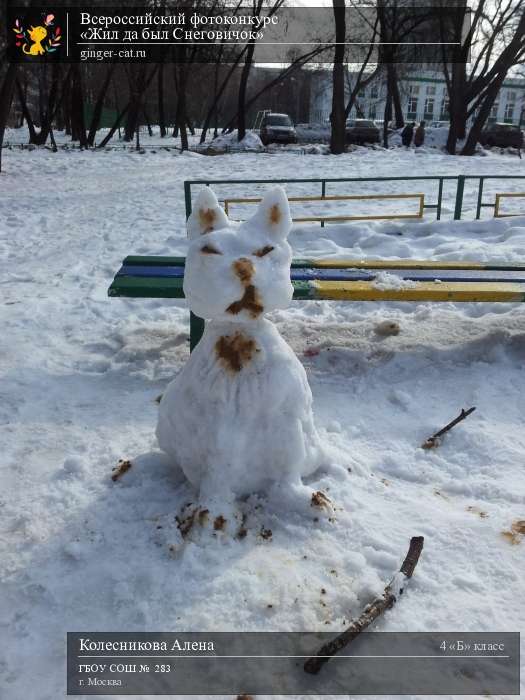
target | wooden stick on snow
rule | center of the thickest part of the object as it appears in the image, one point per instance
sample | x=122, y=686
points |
x=392, y=591
x=434, y=440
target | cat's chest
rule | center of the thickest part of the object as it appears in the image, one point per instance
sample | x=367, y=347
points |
x=235, y=352
x=242, y=356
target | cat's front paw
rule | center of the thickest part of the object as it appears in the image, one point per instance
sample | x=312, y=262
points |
x=296, y=497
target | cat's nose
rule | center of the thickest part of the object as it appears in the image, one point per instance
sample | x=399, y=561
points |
x=244, y=270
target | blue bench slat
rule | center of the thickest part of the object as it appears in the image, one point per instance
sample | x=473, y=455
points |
x=302, y=274
x=150, y=271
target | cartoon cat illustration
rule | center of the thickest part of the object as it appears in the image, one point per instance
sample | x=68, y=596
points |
x=37, y=35
x=238, y=418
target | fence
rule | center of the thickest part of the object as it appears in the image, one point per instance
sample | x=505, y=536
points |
x=324, y=184
x=481, y=184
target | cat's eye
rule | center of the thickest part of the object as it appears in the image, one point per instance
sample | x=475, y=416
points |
x=210, y=250
x=263, y=251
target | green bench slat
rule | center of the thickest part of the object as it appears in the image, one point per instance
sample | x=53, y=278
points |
x=171, y=288
x=153, y=287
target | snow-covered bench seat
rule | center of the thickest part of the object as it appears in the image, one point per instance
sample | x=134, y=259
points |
x=349, y=280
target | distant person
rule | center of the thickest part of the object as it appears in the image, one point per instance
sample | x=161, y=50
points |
x=419, y=136
x=407, y=134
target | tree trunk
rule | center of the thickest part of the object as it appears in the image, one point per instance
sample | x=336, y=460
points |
x=42, y=92
x=337, y=116
x=23, y=95
x=126, y=109
x=26, y=115
x=99, y=104
x=181, y=119
x=137, y=88
x=6, y=97
x=396, y=96
x=47, y=109
x=458, y=107
x=243, y=85
x=66, y=106
x=160, y=98
x=147, y=120
x=214, y=109
x=479, y=122
x=132, y=118
x=115, y=126
x=77, y=108
x=387, y=116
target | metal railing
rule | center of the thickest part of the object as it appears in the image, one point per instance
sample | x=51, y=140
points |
x=497, y=204
x=480, y=204
x=338, y=198
x=326, y=183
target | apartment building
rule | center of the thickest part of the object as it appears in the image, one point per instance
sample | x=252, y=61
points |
x=424, y=97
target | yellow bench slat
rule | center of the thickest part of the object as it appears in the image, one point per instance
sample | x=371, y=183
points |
x=421, y=291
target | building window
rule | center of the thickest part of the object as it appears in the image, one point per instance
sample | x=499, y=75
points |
x=494, y=113
x=429, y=108
x=372, y=112
x=412, y=108
x=374, y=92
x=445, y=109
x=509, y=112
x=431, y=89
x=413, y=89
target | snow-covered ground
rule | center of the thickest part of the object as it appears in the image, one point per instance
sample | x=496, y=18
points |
x=80, y=374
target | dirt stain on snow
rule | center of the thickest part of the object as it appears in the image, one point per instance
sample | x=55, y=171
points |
x=320, y=500
x=514, y=535
x=477, y=511
x=185, y=523
x=219, y=523
x=235, y=351
x=122, y=467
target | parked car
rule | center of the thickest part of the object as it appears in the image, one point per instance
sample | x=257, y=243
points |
x=502, y=135
x=362, y=131
x=380, y=124
x=277, y=128
x=439, y=124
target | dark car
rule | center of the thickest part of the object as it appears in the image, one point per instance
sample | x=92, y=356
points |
x=502, y=135
x=362, y=131
x=277, y=128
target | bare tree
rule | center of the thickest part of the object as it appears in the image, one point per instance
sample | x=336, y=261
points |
x=491, y=46
x=257, y=7
x=337, y=115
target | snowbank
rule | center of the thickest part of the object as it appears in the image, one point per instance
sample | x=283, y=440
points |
x=230, y=142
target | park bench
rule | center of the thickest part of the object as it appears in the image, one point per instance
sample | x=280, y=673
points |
x=352, y=280
x=343, y=280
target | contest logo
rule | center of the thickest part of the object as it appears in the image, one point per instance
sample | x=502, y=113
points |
x=39, y=40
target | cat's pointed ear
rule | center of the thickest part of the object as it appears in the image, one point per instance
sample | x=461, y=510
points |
x=206, y=216
x=273, y=213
